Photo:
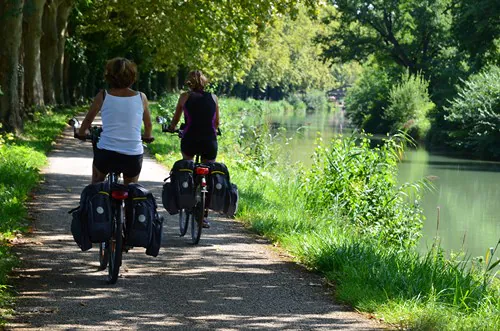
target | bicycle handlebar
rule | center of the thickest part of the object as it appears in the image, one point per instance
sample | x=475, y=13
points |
x=165, y=127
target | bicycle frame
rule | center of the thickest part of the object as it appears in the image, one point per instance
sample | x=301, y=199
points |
x=198, y=212
x=111, y=251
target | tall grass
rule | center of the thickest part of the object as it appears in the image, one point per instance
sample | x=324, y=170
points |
x=346, y=218
x=21, y=158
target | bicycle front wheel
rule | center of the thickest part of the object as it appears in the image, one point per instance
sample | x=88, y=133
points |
x=183, y=221
x=197, y=219
x=115, y=246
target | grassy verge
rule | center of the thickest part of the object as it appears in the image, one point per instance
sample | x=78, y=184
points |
x=346, y=218
x=21, y=158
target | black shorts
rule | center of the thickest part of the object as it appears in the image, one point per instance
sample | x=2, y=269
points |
x=106, y=161
x=206, y=147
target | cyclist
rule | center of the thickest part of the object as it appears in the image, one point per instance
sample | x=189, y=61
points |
x=201, y=116
x=123, y=111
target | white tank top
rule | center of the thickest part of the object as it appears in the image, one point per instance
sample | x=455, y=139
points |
x=121, y=124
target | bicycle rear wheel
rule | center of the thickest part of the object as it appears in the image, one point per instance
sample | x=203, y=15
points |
x=114, y=246
x=184, y=216
x=103, y=256
x=197, y=219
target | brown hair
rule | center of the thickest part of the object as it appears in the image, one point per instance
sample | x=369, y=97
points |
x=196, y=80
x=120, y=72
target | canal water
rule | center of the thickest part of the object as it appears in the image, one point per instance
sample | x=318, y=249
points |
x=465, y=198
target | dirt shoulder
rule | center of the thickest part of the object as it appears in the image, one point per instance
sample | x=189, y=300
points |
x=232, y=280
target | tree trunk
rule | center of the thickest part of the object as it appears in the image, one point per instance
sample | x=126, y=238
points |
x=32, y=32
x=161, y=83
x=175, y=81
x=91, y=85
x=168, y=83
x=63, y=11
x=20, y=80
x=146, y=83
x=154, y=86
x=66, y=82
x=10, y=42
x=48, y=48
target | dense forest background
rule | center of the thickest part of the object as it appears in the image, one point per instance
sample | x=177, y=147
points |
x=429, y=68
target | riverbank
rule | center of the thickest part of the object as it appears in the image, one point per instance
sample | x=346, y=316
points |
x=383, y=275
x=462, y=207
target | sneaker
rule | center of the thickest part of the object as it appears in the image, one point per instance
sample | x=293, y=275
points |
x=126, y=248
x=205, y=224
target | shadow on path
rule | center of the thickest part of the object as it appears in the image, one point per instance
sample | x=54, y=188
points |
x=230, y=281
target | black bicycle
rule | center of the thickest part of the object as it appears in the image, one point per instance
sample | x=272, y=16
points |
x=110, y=251
x=199, y=212
x=195, y=215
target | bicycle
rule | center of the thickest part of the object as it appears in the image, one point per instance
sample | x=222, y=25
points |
x=110, y=252
x=199, y=211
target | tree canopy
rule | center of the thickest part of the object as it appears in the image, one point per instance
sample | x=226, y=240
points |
x=53, y=51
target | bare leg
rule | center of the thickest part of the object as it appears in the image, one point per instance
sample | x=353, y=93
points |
x=97, y=176
x=128, y=180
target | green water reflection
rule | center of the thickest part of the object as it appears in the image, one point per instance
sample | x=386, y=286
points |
x=467, y=192
x=466, y=196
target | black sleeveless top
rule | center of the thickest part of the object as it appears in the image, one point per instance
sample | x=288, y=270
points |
x=199, y=115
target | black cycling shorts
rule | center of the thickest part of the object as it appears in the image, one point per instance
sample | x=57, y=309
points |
x=206, y=148
x=106, y=161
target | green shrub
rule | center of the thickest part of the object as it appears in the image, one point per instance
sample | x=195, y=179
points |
x=316, y=101
x=474, y=115
x=409, y=104
x=299, y=106
x=18, y=173
x=367, y=99
x=166, y=105
x=358, y=183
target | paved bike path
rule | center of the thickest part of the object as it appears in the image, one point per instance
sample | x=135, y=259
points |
x=233, y=280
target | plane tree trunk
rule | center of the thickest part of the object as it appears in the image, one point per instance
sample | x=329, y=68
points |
x=10, y=43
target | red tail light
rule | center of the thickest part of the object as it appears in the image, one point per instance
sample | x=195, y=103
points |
x=119, y=195
x=202, y=171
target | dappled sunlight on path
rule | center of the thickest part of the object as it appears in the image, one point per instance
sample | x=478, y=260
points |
x=232, y=280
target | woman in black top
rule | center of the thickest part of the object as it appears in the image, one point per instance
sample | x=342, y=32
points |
x=201, y=115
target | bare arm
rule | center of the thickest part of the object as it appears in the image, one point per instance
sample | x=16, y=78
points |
x=146, y=117
x=92, y=113
x=178, y=111
x=216, y=112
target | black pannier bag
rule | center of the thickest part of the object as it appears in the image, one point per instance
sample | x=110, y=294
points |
x=219, y=186
x=154, y=246
x=98, y=211
x=79, y=230
x=140, y=209
x=182, y=183
x=231, y=206
x=168, y=199
x=92, y=220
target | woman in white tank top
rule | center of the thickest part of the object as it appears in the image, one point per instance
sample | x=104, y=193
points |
x=123, y=111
